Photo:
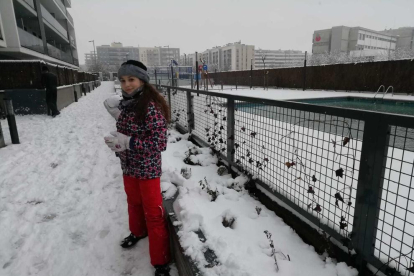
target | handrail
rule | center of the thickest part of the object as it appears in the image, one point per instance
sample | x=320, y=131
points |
x=383, y=90
x=392, y=90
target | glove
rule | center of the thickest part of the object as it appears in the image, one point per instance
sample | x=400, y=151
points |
x=111, y=105
x=117, y=142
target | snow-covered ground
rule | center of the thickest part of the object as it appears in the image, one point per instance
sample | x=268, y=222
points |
x=63, y=209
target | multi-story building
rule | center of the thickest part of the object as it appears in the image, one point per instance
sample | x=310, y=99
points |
x=352, y=40
x=115, y=54
x=167, y=54
x=187, y=60
x=112, y=56
x=230, y=57
x=90, y=59
x=38, y=29
x=277, y=58
x=405, y=37
x=150, y=56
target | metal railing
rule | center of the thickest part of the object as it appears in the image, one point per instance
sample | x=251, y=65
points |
x=70, y=18
x=349, y=172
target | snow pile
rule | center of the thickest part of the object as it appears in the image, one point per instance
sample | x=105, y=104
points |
x=233, y=222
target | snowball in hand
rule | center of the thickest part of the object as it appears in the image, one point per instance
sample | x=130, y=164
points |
x=113, y=101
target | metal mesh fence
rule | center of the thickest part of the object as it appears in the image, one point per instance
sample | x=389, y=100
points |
x=210, y=117
x=310, y=159
x=394, y=240
x=325, y=161
x=179, y=107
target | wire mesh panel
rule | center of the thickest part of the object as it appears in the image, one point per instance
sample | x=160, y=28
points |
x=164, y=92
x=310, y=158
x=179, y=107
x=210, y=117
x=394, y=241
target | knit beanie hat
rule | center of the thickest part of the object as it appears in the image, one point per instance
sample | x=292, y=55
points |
x=134, y=68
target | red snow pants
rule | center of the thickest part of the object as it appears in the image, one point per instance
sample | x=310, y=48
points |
x=147, y=216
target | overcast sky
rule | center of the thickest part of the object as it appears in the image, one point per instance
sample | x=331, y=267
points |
x=197, y=25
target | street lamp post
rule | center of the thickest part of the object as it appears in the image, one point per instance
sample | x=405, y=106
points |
x=94, y=51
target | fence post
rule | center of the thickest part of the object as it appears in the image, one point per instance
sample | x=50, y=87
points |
x=2, y=143
x=304, y=72
x=198, y=86
x=230, y=130
x=251, y=74
x=169, y=100
x=369, y=190
x=190, y=112
x=11, y=120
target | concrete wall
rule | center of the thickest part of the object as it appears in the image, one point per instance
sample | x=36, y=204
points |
x=27, y=101
x=33, y=101
x=78, y=91
x=65, y=96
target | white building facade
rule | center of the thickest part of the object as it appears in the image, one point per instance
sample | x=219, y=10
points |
x=352, y=40
x=115, y=54
x=277, y=58
x=230, y=57
x=38, y=29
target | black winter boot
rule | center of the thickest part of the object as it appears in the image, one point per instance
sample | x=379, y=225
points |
x=162, y=270
x=131, y=240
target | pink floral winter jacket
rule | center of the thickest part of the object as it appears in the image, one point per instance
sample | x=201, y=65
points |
x=148, y=140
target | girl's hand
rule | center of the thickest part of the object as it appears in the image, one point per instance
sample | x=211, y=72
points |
x=117, y=142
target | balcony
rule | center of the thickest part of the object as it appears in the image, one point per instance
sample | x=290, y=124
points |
x=72, y=41
x=61, y=6
x=69, y=18
x=68, y=3
x=59, y=54
x=27, y=40
x=53, y=23
x=30, y=3
x=30, y=41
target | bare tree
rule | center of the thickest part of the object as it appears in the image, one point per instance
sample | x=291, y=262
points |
x=98, y=67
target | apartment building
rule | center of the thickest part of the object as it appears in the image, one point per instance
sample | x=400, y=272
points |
x=112, y=56
x=150, y=56
x=38, y=29
x=115, y=54
x=90, y=59
x=230, y=57
x=167, y=54
x=277, y=58
x=352, y=40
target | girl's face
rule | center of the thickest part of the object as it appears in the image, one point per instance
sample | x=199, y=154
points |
x=130, y=83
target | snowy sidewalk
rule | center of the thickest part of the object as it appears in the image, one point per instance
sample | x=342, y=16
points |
x=63, y=208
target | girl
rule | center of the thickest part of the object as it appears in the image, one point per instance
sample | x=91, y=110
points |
x=140, y=138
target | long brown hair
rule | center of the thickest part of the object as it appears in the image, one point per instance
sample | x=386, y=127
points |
x=150, y=94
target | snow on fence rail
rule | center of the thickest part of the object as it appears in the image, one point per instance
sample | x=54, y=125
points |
x=349, y=172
